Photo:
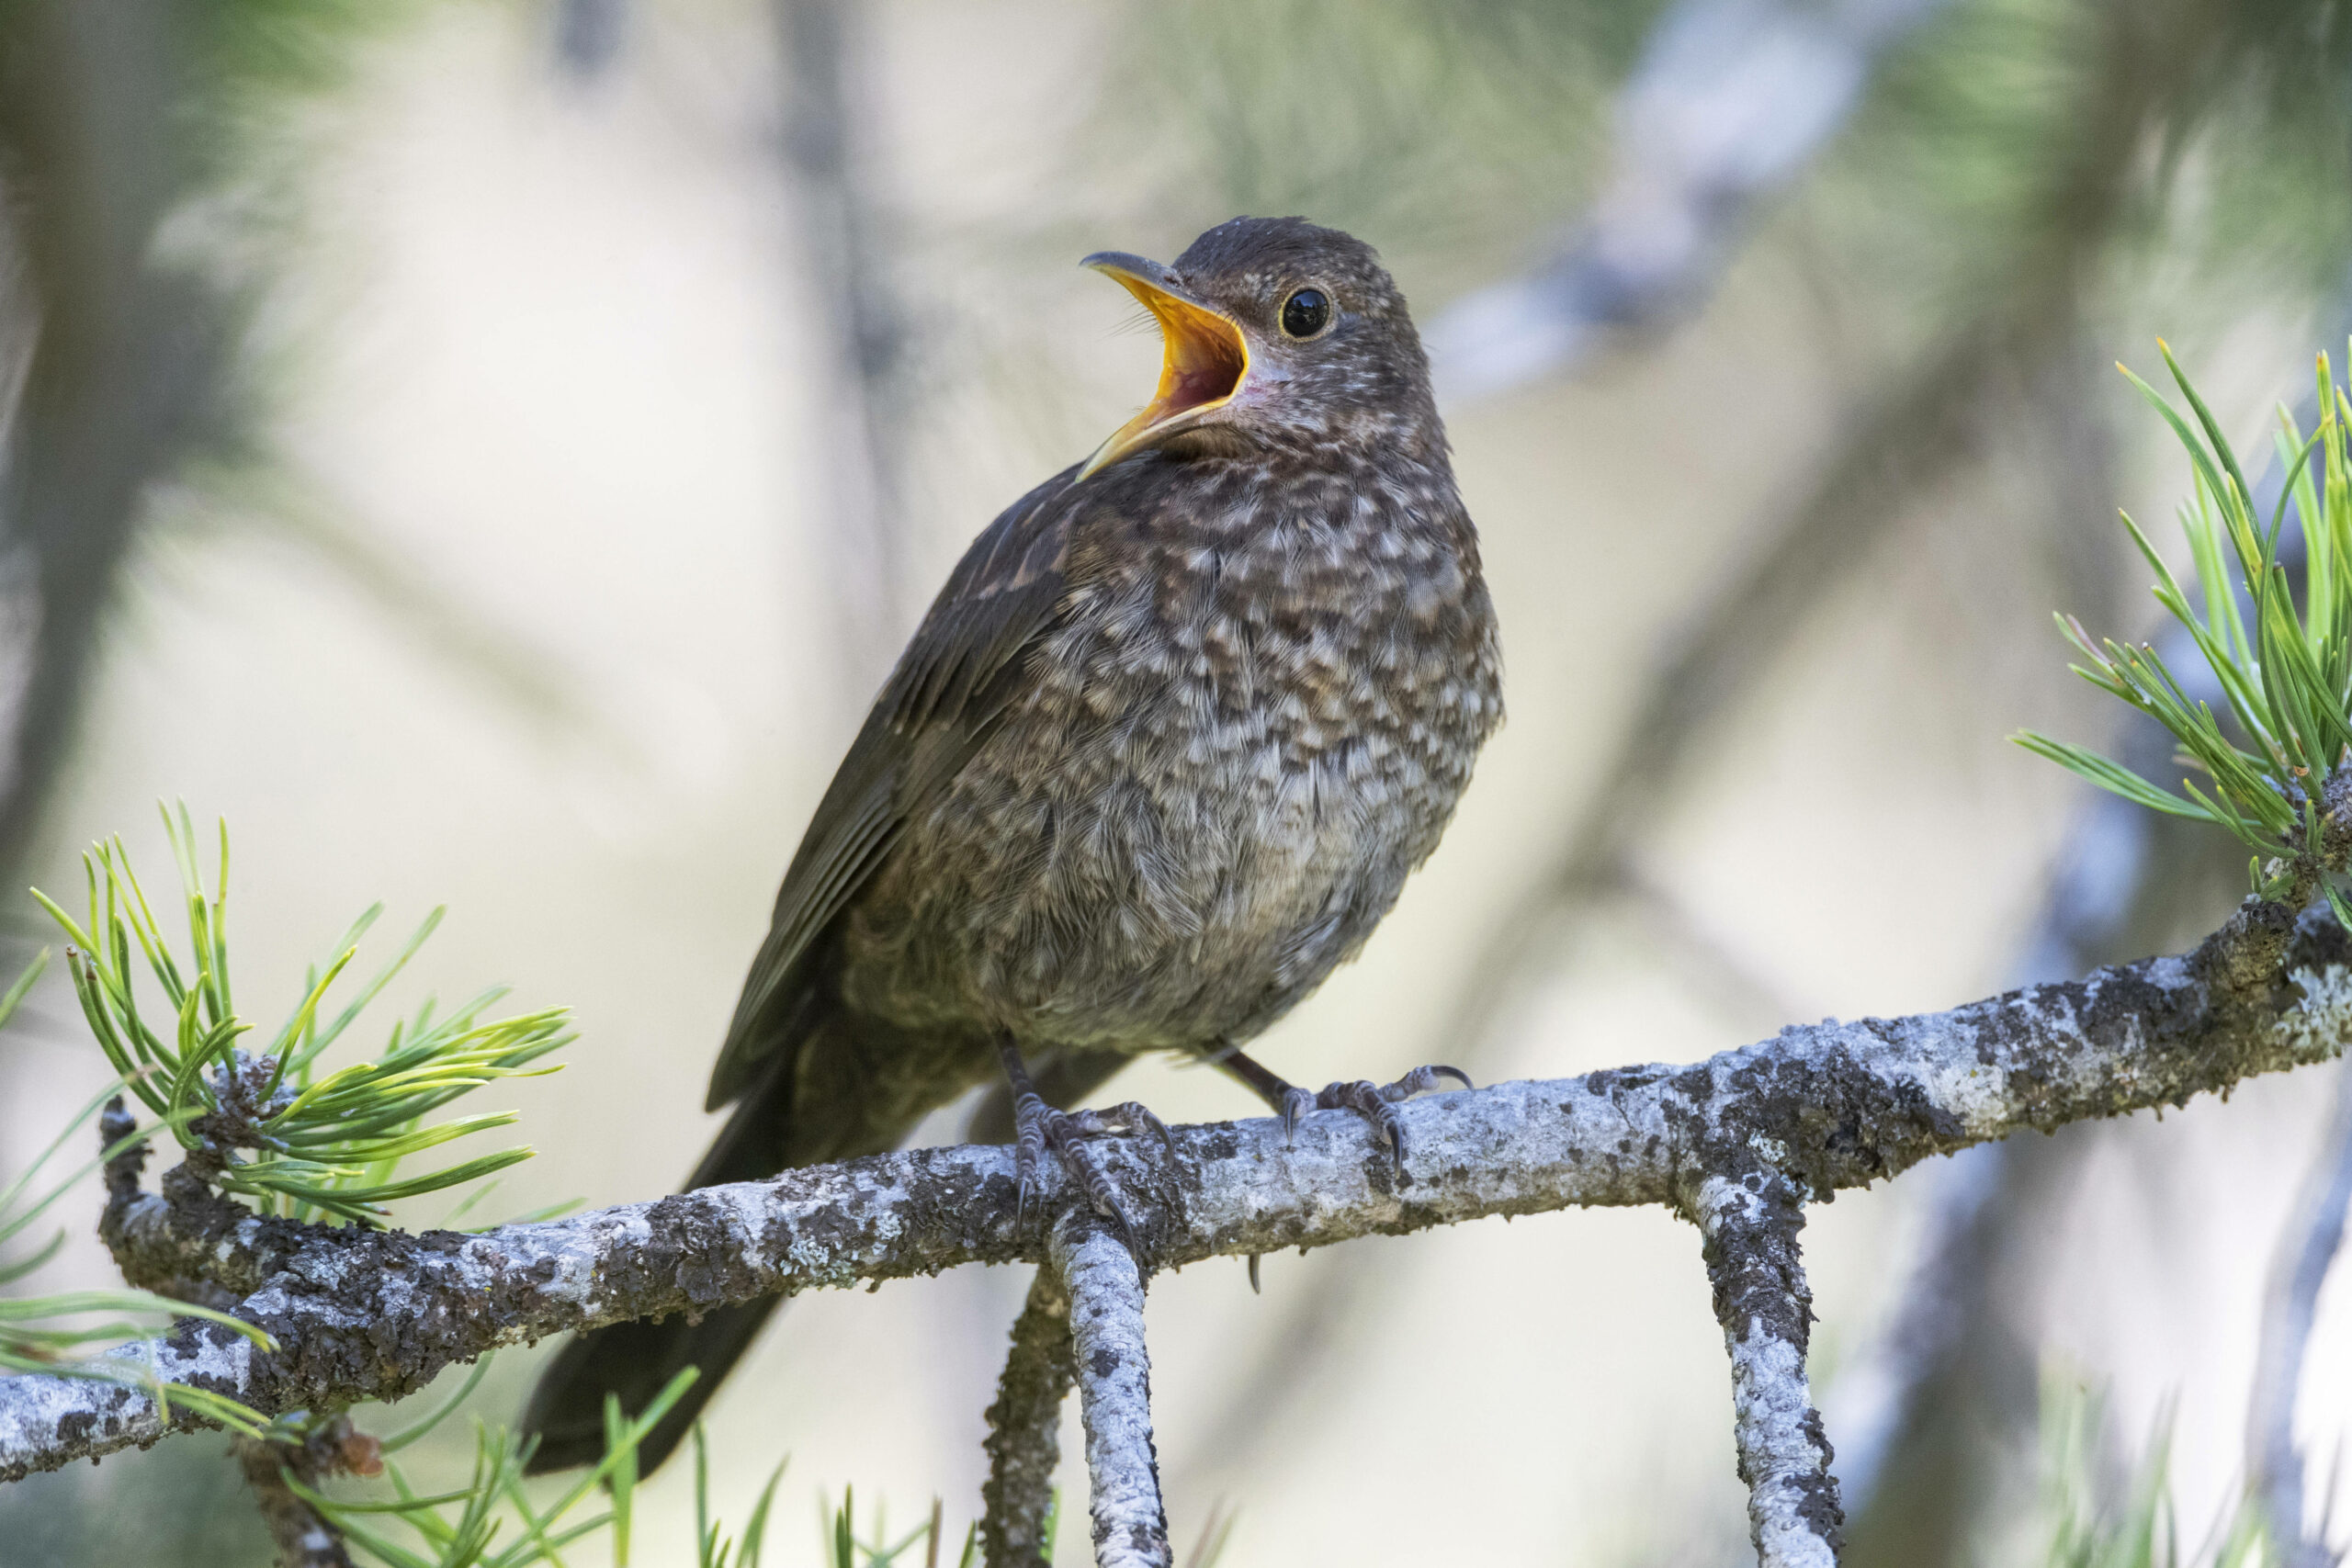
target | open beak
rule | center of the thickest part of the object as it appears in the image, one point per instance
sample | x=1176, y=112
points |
x=1204, y=357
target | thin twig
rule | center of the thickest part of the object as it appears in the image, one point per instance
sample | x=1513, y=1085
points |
x=1024, y=1428
x=1750, y=1231
x=1113, y=1392
x=303, y=1538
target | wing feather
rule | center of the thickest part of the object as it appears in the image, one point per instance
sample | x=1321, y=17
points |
x=950, y=688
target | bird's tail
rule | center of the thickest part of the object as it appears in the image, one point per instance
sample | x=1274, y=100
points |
x=834, y=1088
x=635, y=1360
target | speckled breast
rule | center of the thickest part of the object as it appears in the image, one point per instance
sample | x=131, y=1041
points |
x=1249, y=725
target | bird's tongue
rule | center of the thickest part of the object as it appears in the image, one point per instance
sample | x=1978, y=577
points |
x=1202, y=360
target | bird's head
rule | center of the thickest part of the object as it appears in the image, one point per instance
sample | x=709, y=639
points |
x=1278, y=336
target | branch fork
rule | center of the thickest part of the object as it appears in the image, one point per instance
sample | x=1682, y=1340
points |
x=1748, y=1228
x=1738, y=1142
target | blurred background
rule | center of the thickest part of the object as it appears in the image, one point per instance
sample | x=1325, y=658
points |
x=490, y=450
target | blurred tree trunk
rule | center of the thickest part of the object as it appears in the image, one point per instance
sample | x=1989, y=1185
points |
x=862, y=332
x=113, y=366
x=127, y=359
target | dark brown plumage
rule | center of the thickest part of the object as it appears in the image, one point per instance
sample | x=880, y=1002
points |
x=1160, y=757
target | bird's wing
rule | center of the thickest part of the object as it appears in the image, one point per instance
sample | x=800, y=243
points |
x=951, y=686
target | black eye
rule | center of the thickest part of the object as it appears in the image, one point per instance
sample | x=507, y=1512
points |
x=1305, y=312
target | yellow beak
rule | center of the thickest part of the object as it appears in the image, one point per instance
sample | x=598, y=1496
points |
x=1204, y=357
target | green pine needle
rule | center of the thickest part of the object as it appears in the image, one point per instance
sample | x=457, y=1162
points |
x=2284, y=673
x=283, y=1130
x=492, y=1521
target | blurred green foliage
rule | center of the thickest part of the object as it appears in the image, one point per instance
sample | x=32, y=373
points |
x=2171, y=147
x=1449, y=124
x=2087, y=1528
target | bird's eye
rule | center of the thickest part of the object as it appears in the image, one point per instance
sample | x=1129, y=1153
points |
x=1305, y=312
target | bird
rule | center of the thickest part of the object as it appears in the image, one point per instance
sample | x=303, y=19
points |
x=1156, y=761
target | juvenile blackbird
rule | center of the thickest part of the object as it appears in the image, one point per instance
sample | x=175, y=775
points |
x=1157, y=760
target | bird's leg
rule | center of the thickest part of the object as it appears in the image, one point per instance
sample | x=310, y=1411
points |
x=1039, y=1127
x=1376, y=1103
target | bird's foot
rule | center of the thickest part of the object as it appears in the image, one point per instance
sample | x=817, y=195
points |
x=1039, y=1128
x=1376, y=1103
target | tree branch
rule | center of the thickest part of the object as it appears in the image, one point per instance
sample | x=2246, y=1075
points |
x=302, y=1538
x=1024, y=1428
x=2125, y=881
x=1113, y=1369
x=1766, y=1309
x=363, y=1314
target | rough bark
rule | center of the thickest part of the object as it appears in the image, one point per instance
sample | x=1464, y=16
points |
x=1114, y=1366
x=302, y=1538
x=1750, y=1230
x=1024, y=1428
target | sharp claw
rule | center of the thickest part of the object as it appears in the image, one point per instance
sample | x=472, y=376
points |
x=1063, y=1135
x=1376, y=1103
x=1396, y=1130
x=1253, y=1276
x=1137, y=1114
x=1296, y=1103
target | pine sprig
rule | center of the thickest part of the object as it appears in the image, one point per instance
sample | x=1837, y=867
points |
x=2279, y=644
x=273, y=1124
x=50, y=1333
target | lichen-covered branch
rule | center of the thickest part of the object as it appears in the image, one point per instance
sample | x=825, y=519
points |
x=1113, y=1392
x=1024, y=1428
x=1750, y=1229
x=302, y=1538
x=359, y=1314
